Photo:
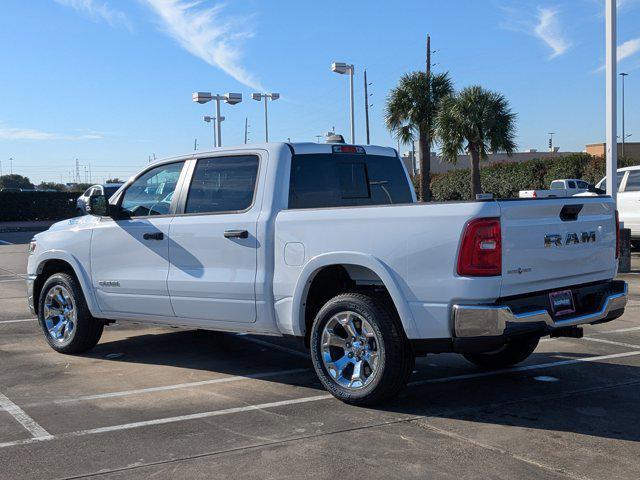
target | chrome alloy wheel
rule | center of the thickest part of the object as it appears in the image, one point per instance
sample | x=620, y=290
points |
x=350, y=350
x=59, y=314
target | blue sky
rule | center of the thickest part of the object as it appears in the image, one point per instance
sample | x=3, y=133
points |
x=109, y=81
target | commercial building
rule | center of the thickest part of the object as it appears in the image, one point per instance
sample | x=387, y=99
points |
x=631, y=150
x=464, y=161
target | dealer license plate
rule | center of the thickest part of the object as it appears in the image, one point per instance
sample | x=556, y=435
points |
x=562, y=302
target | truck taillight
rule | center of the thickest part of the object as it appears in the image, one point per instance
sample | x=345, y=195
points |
x=481, y=249
x=617, y=235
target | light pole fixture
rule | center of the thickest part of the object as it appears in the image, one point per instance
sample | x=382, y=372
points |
x=230, y=98
x=265, y=97
x=624, y=136
x=210, y=119
x=345, y=68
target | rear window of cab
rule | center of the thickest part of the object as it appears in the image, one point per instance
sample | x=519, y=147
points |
x=344, y=180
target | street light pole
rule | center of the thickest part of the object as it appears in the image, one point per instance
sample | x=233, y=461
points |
x=210, y=119
x=611, y=80
x=265, y=96
x=230, y=98
x=266, y=121
x=218, y=122
x=624, y=136
x=342, y=68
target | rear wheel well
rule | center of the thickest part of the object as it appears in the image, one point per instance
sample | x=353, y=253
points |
x=45, y=270
x=334, y=280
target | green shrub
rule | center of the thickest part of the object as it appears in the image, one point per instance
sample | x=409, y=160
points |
x=25, y=206
x=505, y=180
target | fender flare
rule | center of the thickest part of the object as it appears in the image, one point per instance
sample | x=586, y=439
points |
x=81, y=274
x=314, y=265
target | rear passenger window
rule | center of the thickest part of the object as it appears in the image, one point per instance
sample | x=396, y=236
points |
x=341, y=180
x=222, y=184
x=633, y=181
x=572, y=184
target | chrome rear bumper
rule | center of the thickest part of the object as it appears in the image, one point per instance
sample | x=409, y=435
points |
x=487, y=320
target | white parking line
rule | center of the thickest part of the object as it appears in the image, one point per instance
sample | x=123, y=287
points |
x=620, y=330
x=3, y=242
x=13, y=280
x=180, y=418
x=37, y=432
x=20, y=320
x=610, y=342
x=524, y=368
x=125, y=393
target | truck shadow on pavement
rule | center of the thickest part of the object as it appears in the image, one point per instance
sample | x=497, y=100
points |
x=587, y=398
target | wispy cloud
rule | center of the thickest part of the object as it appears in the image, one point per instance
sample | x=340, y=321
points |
x=98, y=10
x=624, y=50
x=7, y=133
x=543, y=23
x=550, y=31
x=207, y=34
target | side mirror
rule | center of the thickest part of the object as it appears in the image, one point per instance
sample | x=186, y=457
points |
x=98, y=205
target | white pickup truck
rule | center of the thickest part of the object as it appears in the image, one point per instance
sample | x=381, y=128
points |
x=567, y=187
x=327, y=243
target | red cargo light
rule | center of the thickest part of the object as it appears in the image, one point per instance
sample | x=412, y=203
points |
x=481, y=249
x=617, y=235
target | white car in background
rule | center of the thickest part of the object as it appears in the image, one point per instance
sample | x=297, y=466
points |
x=567, y=187
x=628, y=199
x=107, y=190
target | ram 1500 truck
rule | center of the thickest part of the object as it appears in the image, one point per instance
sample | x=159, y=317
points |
x=327, y=242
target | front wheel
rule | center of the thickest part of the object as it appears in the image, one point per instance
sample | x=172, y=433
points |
x=509, y=354
x=66, y=321
x=359, y=350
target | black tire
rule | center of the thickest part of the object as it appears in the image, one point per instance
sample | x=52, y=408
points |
x=515, y=351
x=395, y=357
x=87, y=330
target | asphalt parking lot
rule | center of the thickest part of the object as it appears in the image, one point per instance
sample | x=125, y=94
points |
x=153, y=402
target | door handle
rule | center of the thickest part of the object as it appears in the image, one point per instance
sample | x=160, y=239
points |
x=236, y=234
x=153, y=236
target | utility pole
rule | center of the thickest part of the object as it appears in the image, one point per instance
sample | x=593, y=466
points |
x=195, y=144
x=318, y=137
x=77, y=171
x=10, y=165
x=425, y=150
x=246, y=128
x=366, y=104
x=624, y=136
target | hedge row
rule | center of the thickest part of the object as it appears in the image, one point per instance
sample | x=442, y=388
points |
x=505, y=180
x=25, y=206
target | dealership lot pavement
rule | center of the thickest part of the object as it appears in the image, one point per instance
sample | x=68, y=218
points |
x=152, y=402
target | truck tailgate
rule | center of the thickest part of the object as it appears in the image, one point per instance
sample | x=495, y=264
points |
x=554, y=243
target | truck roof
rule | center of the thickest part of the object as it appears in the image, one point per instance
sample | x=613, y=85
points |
x=300, y=148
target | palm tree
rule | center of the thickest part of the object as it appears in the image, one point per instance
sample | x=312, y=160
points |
x=410, y=112
x=483, y=121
